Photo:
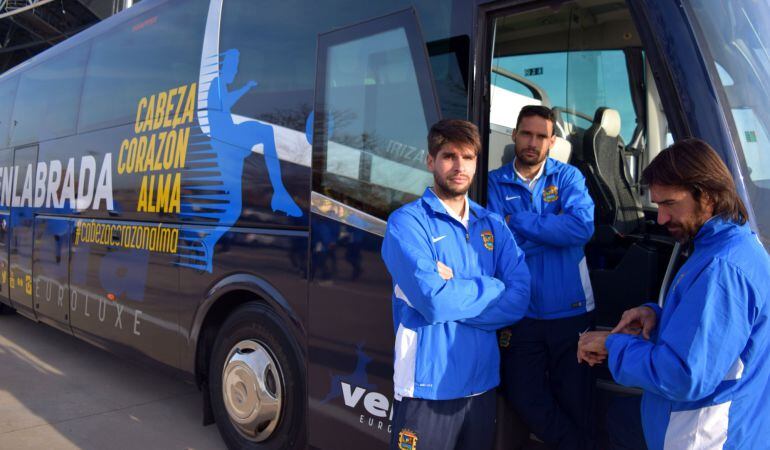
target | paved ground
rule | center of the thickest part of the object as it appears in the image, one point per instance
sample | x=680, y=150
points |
x=57, y=392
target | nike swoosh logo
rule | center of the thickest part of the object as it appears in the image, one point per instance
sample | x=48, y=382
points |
x=436, y=239
x=512, y=197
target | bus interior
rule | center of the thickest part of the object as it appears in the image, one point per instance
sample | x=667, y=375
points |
x=585, y=60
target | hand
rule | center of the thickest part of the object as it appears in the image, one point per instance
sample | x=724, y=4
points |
x=250, y=84
x=591, y=348
x=640, y=319
x=444, y=271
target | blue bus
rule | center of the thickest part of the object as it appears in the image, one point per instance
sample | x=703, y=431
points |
x=203, y=185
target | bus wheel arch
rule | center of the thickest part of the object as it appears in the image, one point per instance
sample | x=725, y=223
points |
x=215, y=316
x=222, y=299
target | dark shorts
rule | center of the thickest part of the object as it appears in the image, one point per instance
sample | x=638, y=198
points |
x=463, y=423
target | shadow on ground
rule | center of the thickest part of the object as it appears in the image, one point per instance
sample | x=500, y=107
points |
x=57, y=392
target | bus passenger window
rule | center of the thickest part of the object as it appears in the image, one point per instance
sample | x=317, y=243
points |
x=374, y=156
x=49, y=94
x=7, y=92
x=159, y=51
x=735, y=34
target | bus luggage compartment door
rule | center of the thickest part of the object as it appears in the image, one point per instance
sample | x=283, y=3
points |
x=50, y=266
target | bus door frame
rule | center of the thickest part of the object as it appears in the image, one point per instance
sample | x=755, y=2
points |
x=22, y=307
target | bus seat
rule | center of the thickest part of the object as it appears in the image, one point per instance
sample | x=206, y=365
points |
x=561, y=150
x=618, y=207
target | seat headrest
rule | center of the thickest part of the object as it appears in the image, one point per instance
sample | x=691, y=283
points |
x=561, y=150
x=609, y=120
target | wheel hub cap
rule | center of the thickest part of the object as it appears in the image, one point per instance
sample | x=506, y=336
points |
x=252, y=390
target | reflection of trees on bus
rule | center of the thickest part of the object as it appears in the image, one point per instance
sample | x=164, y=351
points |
x=353, y=251
x=325, y=235
x=58, y=229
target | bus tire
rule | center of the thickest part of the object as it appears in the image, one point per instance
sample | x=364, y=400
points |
x=256, y=381
x=6, y=310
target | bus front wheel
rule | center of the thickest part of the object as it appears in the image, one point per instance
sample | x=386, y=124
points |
x=255, y=381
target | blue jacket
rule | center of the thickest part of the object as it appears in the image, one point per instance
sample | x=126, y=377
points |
x=706, y=372
x=446, y=344
x=551, y=224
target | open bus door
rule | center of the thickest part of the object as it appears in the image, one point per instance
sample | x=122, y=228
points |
x=666, y=71
x=589, y=61
x=374, y=104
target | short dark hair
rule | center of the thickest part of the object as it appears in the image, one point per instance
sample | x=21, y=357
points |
x=692, y=164
x=539, y=111
x=455, y=131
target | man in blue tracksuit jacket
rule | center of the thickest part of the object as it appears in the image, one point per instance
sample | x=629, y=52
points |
x=458, y=276
x=548, y=208
x=702, y=360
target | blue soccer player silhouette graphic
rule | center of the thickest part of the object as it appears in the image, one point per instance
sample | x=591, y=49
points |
x=212, y=184
x=246, y=134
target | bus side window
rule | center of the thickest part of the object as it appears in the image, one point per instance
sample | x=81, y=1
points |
x=376, y=119
x=7, y=93
x=48, y=98
x=141, y=58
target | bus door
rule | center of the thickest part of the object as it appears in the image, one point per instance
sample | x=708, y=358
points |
x=21, y=230
x=50, y=264
x=374, y=104
x=52, y=236
x=588, y=61
x=6, y=165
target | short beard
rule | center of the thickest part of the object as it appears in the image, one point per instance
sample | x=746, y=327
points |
x=446, y=191
x=690, y=231
x=523, y=162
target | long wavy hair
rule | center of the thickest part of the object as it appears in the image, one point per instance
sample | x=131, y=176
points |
x=693, y=165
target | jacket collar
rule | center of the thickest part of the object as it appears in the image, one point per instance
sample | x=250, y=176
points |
x=508, y=174
x=430, y=199
x=716, y=229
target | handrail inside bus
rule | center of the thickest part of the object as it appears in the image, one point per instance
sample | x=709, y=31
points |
x=537, y=91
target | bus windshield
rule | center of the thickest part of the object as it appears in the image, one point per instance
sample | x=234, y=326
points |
x=736, y=35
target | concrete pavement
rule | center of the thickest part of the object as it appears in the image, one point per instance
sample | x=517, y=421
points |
x=57, y=392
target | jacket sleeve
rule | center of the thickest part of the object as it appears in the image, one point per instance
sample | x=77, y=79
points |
x=658, y=313
x=511, y=268
x=496, y=204
x=655, y=307
x=704, y=337
x=408, y=255
x=530, y=247
x=574, y=225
